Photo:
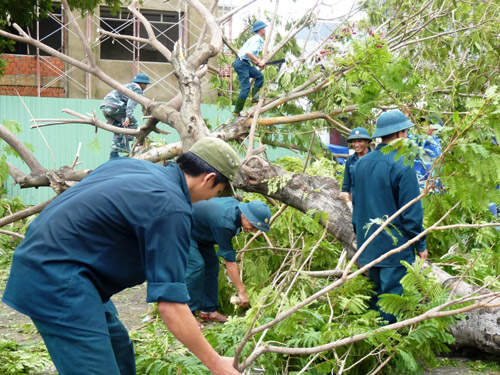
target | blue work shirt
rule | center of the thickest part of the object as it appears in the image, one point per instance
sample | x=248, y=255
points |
x=116, y=99
x=381, y=187
x=253, y=45
x=126, y=222
x=217, y=221
x=423, y=163
x=348, y=171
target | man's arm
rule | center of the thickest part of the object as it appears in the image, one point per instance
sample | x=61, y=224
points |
x=255, y=60
x=131, y=104
x=234, y=275
x=179, y=320
x=412, y=218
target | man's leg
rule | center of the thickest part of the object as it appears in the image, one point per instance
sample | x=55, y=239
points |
x=242, y=69
x=387, y=281
x=211, y=280
x=77, y=351
x=115, y=117
x=257, y=85
x=120, y=341
x=195, y=277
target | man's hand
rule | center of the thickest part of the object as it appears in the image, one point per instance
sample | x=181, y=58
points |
x=224, y=367
x=424, y=254
x=345, y=196
x=244, y=300
x=260, y=64
x=126, y=123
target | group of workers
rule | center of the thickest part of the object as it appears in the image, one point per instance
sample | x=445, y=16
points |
x=118, y=109
x=127, y=222
x=379, y=186
x=131, y=221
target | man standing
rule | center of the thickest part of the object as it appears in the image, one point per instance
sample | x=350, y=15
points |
x=432, y=150
x=217, y=221
x=243, y=67
x=382, y=186
x=118, y=110
x=360, y=140
x=128, y=221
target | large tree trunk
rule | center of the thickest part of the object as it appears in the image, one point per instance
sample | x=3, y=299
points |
x=481, y=328
x=304, y=192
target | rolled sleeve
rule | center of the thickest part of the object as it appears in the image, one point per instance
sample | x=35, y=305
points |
x=224, y=238
x=229, y=255
x=166, y=248
x=167, y=292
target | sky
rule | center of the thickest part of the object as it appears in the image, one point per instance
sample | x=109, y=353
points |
x=288, y=9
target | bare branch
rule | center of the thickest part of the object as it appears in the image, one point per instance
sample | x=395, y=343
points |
x=24, y=213
x=228, y=15
x=12, y=234
x=22, y=150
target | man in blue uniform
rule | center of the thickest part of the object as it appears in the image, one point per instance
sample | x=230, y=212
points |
x=127, y=222
x=360, y=140
x=118, y=110
x=216, y=222
x=432, y=150
x=382, y=186
x=243, y=66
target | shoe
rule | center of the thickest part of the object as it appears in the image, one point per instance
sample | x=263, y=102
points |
x=212, y=317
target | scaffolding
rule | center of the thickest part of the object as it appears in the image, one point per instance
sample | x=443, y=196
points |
x=51, y=73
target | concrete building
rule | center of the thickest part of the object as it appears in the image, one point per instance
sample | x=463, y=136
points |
x=31, y=72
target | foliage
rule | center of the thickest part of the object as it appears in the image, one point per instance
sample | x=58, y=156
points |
x=6, y=150
x=20, y=359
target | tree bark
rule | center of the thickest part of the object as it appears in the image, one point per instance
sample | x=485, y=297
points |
x=301, y=191
x=481, y=328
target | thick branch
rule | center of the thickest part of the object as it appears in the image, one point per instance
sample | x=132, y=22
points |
x=301, y=191
x=24, y=213
x=22, y=150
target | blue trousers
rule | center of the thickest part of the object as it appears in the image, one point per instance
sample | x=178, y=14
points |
x=387, y=280
x=202, y=277
x=245, y=71
x=76, y=351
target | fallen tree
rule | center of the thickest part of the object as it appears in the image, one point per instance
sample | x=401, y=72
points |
x=374, y=74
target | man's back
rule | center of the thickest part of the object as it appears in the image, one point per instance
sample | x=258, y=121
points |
x=381, y=187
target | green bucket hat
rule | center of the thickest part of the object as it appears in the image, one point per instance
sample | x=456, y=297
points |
x=391, y=122
x=219, y=155
x=257, y=213
x=359, y=133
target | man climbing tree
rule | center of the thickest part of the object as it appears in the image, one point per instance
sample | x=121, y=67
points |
x=243, y=67
x=118, y=110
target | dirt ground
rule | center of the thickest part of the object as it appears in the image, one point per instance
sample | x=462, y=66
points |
x=132, y=307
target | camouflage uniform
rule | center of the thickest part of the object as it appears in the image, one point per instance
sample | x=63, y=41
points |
x=116, y=107
x=423, y=163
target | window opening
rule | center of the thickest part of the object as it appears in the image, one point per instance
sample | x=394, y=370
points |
x=164, y=24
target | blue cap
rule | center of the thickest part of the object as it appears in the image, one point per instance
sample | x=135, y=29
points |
x=141, y=78
x=257, y=213
x=391, y=122
x=258, y=25
x=359, y=133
